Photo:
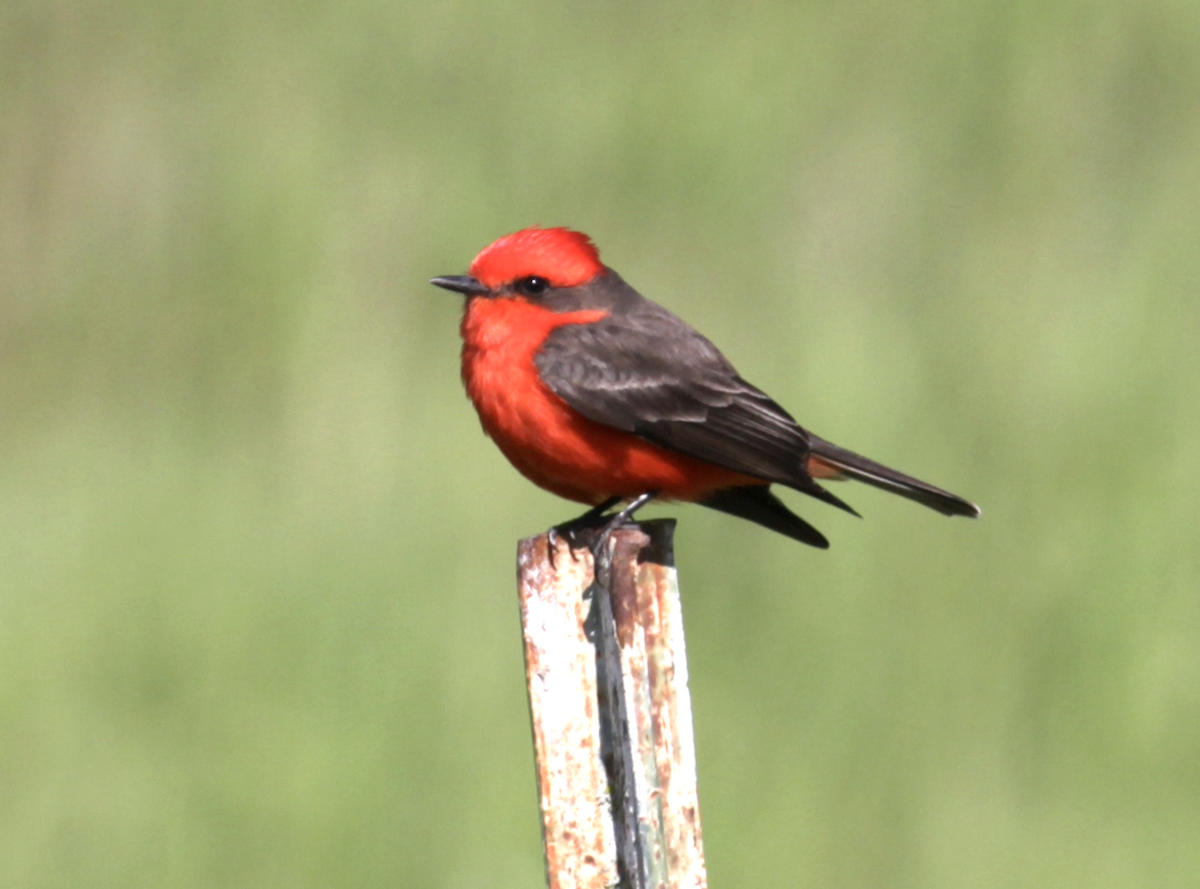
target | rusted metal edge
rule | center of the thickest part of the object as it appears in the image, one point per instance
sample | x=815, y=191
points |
x=589, y=741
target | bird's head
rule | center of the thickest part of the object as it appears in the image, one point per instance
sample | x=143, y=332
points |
x=529, y=263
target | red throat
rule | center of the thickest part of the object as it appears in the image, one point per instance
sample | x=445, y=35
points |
x=565, y=258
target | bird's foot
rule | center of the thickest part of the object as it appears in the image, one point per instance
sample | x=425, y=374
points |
x=582, y=532
x=591, y=530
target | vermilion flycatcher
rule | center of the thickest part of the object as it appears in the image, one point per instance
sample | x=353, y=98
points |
x=601, y=396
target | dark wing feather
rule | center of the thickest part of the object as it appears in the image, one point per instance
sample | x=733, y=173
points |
x=647, y=372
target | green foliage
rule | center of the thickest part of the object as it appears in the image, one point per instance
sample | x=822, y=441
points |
x=257, y=617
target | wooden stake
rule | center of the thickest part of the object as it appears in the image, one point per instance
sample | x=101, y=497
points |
x=612, y=720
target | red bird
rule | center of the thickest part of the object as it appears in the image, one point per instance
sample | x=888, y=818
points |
x=601, y=396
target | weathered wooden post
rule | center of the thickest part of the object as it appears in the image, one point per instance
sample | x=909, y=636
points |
x=612, y=718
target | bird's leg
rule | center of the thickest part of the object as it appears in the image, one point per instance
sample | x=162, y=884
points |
x=580, y=530
x=627, y=513
x=600, y=537
x=593, y=527
x=591, y=518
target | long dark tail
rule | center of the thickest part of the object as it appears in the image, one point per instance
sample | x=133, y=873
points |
x=829, y=461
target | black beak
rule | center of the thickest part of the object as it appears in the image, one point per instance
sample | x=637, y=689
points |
x=460, y=284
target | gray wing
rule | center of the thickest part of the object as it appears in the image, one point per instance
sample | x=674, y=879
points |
x=649, y=373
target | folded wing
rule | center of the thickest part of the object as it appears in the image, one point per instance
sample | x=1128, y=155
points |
x=646, y=372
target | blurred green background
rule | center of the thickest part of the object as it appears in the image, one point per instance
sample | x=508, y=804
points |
x=258, y=624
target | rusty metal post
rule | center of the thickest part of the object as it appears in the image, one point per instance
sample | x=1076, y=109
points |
x=615, y=754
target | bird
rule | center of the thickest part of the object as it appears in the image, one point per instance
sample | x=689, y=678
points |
x=601, y=396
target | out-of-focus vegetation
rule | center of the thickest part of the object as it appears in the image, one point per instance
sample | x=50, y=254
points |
x=257, y=617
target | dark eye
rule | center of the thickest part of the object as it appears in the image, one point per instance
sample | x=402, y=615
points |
x=531, y=286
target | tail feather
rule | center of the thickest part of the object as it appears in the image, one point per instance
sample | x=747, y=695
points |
x=758, y=504
x=829, y=457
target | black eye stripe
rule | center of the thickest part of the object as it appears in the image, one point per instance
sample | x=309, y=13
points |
x=531, y=285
